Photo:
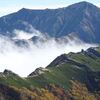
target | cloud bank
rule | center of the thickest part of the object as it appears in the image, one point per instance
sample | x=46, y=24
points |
x=25, y=59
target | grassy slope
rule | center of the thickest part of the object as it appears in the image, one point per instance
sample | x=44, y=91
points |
x=58, y=75
x=92, y=63
x=61, y=75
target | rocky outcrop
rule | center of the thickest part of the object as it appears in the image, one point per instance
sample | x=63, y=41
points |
x=38, y=71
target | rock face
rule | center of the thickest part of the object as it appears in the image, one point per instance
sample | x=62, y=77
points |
x=8, y=72
x=59, y=60
x=38, y=71
x=82, y=19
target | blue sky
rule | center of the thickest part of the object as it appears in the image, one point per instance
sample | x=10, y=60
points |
x=9, y=6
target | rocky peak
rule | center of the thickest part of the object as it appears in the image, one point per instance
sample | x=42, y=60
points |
x=8, y=72
x=59, y=60
x=38, y=71
x=83, y=4
x=23, y=10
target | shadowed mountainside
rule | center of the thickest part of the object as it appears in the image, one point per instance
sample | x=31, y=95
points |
x=81, y=20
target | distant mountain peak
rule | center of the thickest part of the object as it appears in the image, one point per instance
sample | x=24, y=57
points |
x=81, y=18
x=23, y=9
x=83, y=4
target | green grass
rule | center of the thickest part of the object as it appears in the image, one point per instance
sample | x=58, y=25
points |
x=60, y=75
x=93, y=64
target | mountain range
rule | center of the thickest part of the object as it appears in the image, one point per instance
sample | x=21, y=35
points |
x=72, y=76
x=80, y=20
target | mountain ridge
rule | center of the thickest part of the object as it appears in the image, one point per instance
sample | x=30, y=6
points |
x=60, y=78
x=77, y=18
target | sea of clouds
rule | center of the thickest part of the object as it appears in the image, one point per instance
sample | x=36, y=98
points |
x=25, y=59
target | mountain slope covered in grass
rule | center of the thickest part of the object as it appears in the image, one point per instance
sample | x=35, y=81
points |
x=62, y=77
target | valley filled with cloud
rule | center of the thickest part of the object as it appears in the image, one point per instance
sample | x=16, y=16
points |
x=22, y=54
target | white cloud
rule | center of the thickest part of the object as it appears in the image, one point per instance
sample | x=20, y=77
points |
x=98, y=4
x=24, y=35
x=24, y=60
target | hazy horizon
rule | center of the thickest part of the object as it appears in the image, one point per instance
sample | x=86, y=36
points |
x=7, y=7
